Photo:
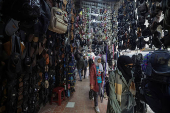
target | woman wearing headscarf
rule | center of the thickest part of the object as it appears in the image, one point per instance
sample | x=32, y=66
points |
x=122, y=89
x=96, y=79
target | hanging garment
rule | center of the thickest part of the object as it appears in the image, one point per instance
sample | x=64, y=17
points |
x=120, y=99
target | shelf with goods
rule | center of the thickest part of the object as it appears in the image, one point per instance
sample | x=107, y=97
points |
x=45, y=67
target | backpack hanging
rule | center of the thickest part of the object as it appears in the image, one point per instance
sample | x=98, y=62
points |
x=58, y=21
x=158, y=66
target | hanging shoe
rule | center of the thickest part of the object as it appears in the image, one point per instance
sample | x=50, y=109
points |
x=97, y=109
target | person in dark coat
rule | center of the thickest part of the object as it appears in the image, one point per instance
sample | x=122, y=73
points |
x=90, y=61
x=80, y=66
x=85, y=65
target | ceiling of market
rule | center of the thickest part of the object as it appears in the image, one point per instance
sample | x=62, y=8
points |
x=78, y=2
x=100, y=1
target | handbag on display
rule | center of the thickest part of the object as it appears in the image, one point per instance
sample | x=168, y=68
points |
x=59, y=21
x=11, y=27
x=143, y=7
x=8, y=45
x=14, y=50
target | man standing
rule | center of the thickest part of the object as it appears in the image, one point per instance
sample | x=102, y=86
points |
x=85, y=65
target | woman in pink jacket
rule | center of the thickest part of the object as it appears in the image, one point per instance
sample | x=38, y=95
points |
x=96, y=80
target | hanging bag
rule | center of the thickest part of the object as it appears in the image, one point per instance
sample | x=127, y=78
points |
x=14, y=63
x=59, y=21
x=143, y=7
x=11, y=27
x=28, y=60
x=72, y=18
x=166, y=11
x=22, y=10
x=158, y=68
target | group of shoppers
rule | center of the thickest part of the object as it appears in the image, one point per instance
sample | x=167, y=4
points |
x=120, y=97
x=96, y=75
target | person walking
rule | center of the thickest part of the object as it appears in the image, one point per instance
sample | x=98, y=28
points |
x=80, y=66
x=85, y=66
x=96, y=80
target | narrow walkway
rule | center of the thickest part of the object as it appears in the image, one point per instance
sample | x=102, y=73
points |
x=81, y=100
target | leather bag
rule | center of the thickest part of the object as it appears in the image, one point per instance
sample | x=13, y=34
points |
x=47, y=59
x=8, y=47
x=72, y=35
x=11, y=27
x=59, y=21
x=72, y=27
x=72, y=18
x=14, y=62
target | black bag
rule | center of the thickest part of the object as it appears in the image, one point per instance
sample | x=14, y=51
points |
x=44, y=18
x=14, y=62
x=91, y=94
x=158, y=68
x=41, y=63
x=28, y=61
x=142, y=7
x=22, y=10
x=107, y=88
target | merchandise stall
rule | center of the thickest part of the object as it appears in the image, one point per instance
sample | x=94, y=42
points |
x=42, y=40
x=36, y=52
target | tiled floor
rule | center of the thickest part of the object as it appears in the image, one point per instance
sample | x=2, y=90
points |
x=82, y=102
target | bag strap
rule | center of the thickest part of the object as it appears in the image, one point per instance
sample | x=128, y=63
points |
x=15, y=43
x=48, y=3
x=28, y=49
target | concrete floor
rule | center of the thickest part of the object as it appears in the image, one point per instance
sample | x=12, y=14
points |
x=81, y=101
